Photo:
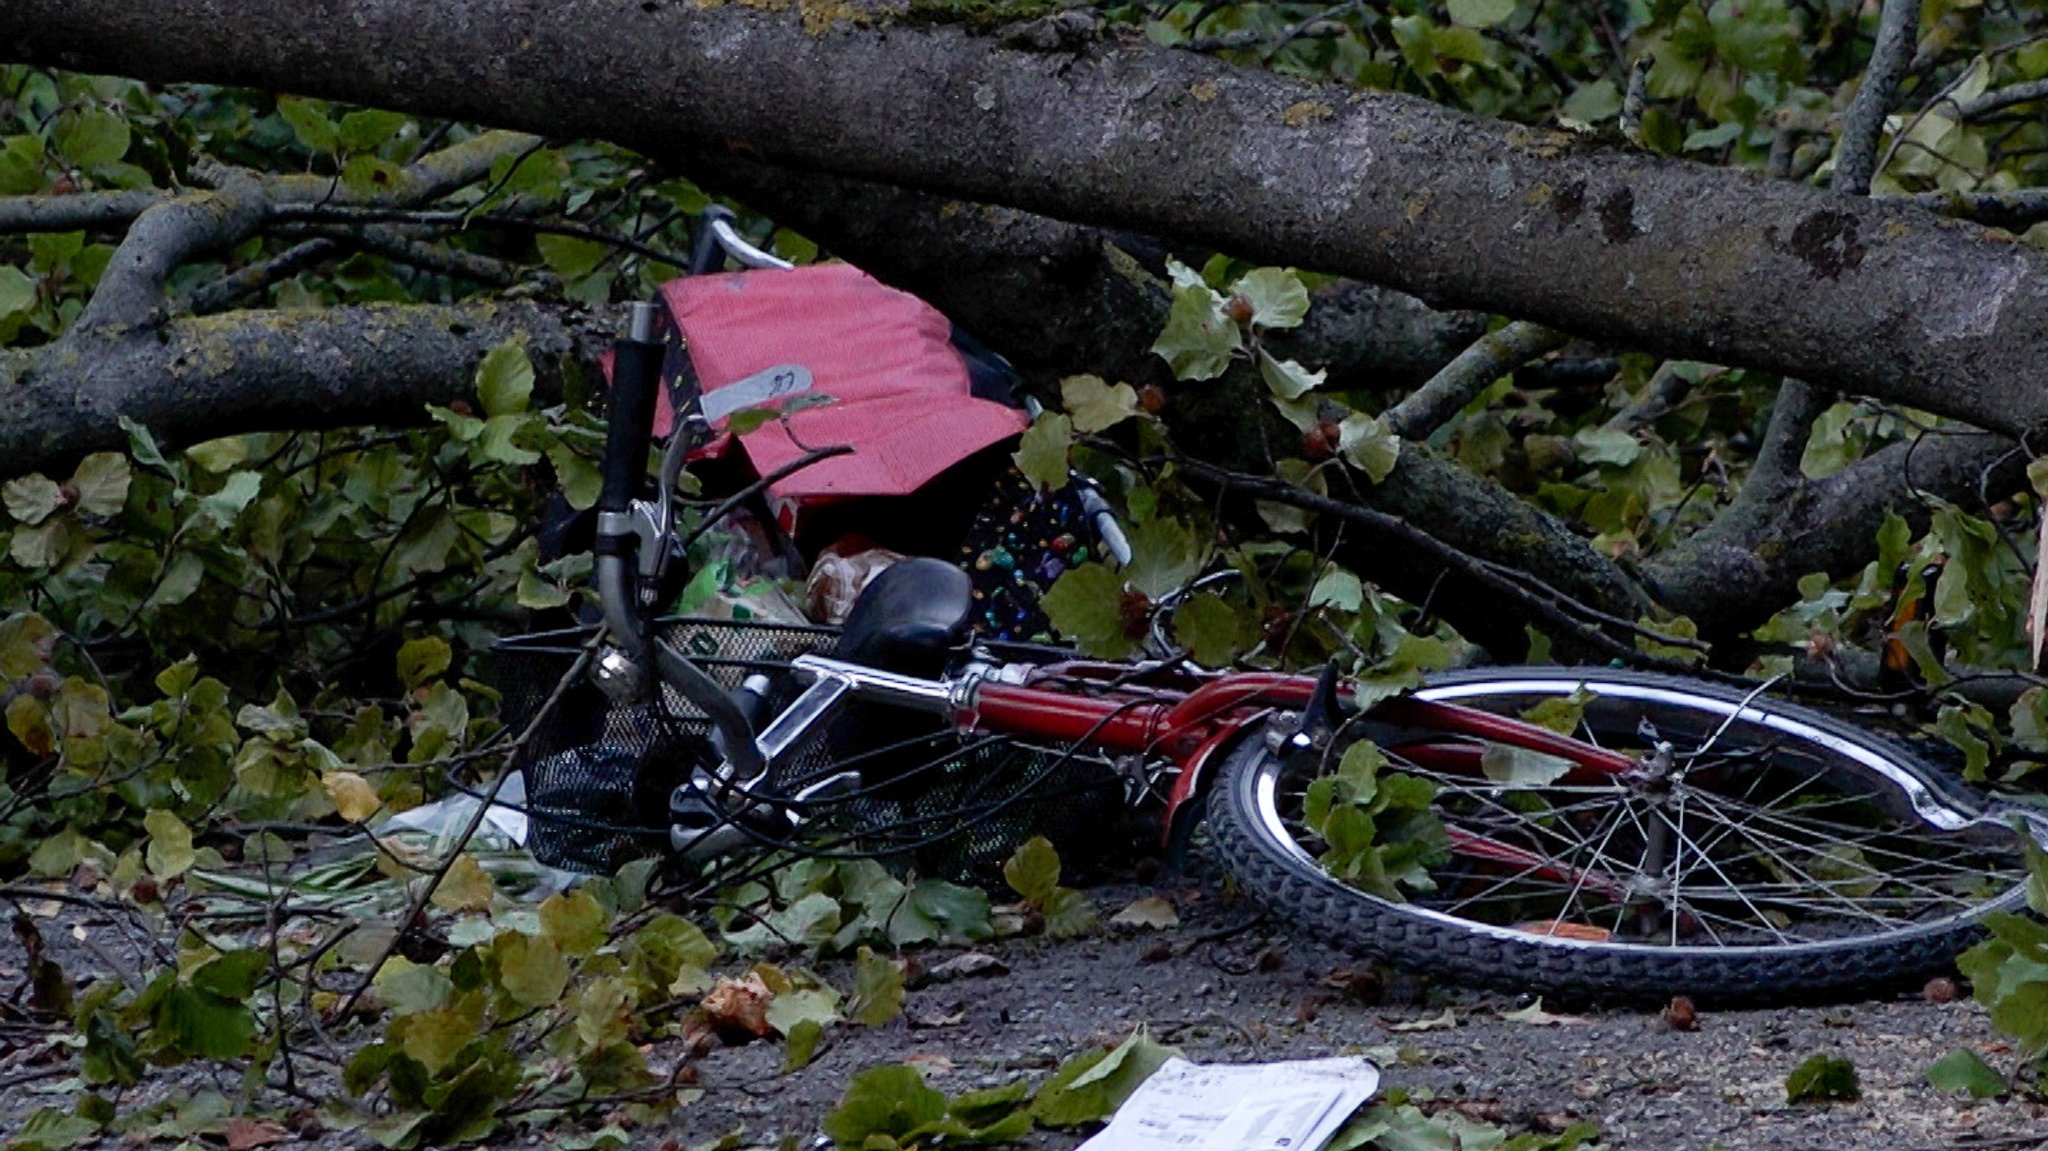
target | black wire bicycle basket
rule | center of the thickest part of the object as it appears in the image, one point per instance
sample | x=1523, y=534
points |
x=598, y=773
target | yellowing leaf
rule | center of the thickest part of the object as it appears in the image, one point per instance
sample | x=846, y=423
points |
x=1369, y=445
x=504, y=380
x=466, y=887
x=575, y=920
x=1276, y=295
x=170, y=844
x=1287, y=379
x=1042, y=450
x=1152, y=911
x=1033, y=870
x=877, y=990
x=101, y=483
x=1199, y=337
x=530, y=969
x=355, y=798
x=32, y=498
x=1095, y=405
x=422, y=659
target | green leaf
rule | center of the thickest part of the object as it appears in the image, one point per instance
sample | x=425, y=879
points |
x=803, y=1044
x=200, y=1023
x=1091, y=1087
x=1823, y=1078
x=961, y=914
x=170, y=844
x=1165, y=557
x=570, y=257
x=1754, y=35
x=1610, y=446
x=887, y=1101
x=1277, y=297
x=1287, y=379
x=1592, y=103
x=434, y=1037
x=1521, y=767
x=17, y=291
x=420, y=660
x=819, y=1005
x=1964, y=1070
x=1095, y=405
x=1086, y=606
x=225, y=505
x=92, y=137
x=1033, y=870
x=877, y=990
x=407, y=987
x=1199, y=338
x=1369, y=445
x=309, y=123
x=1339, y=589
x=233, y=975
x=1042, y=451
x=1068, y=914
x=142, y=445
x=504, y=379
x=499, y=441
x=1479, y=13
x=1560, y=713
x=32, y=498
x=367, y=129
x=1212, y=630
x=538, y=593
x=217, y=456
x=51, y=1129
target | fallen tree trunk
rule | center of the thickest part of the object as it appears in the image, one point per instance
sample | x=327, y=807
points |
x=1628, y=249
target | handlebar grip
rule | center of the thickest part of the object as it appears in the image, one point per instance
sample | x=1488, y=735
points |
x=707, y=255
x=629, y=426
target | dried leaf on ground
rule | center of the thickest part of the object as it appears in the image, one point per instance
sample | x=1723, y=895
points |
x=738, y=1006
x=1153, y=911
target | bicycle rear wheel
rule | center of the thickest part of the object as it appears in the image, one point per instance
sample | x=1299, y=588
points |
x=1783, y=854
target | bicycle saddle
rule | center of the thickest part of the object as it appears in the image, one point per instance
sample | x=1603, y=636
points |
x=908, y=618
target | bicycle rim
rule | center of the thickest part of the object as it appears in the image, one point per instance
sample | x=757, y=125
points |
x=1786, y=853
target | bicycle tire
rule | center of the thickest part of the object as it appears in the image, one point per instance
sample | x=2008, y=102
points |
x=1271, y=854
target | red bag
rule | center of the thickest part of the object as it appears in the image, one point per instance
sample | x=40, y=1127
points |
x=900, y=390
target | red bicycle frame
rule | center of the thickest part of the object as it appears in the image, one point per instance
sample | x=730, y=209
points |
x=1188, y=720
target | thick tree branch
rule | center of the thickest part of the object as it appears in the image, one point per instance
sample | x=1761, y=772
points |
x=1435, y=402
x=1863, y=124
x=201, y=378
x=81, y=212
x=1776, y=475
x=1674, y=258
x=130, y=294
x=1733, y=574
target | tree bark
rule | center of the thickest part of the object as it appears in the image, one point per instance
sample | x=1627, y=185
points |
x=197, y=379
x=1632, y=250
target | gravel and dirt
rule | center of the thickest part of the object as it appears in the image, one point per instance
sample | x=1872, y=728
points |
x=1227, y=984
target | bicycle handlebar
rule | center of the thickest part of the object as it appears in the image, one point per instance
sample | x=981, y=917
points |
x=636, y=383
x=717, y=238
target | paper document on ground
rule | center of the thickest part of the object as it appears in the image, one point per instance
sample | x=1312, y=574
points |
x=1239, y=1107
